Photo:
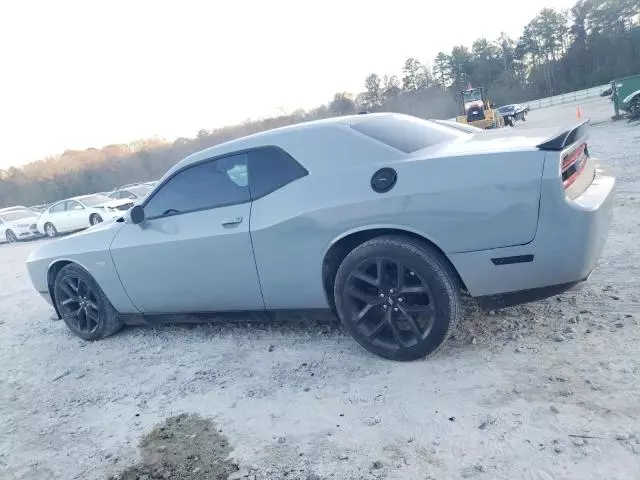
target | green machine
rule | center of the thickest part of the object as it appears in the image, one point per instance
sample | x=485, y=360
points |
x=625, y=95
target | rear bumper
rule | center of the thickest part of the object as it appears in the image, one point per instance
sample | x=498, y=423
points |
x=569, y=241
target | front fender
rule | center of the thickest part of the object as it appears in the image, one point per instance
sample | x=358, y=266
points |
x=628, y=98
x=90, y=250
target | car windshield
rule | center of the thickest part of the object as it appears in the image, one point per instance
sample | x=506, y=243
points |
x=472, y=96
x=17, y=215
x=93, y=200
x=140, y=190
x=506, y=109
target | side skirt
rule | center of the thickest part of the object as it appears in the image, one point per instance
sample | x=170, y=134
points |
x=320, y=315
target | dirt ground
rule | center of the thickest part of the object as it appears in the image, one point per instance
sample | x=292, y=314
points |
x=544, y=391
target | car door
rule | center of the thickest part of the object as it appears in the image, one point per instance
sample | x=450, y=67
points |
x=192, y=252
x=77, y=216
x=56, y=215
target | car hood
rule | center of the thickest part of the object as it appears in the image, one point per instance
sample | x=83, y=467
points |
x=24, y=221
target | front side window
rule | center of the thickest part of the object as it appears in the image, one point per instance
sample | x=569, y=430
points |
x=57, y=208
x=210, y=184
x=73, y=205
x=272, y=168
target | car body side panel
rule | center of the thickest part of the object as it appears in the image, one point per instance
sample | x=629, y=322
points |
x=570, y=238
x=189, y=262
x=89, y=249
x=463, y=203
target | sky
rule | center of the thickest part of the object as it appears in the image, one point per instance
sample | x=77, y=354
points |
x=87, y=73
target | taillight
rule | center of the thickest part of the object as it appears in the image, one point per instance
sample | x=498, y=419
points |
x=573, y=164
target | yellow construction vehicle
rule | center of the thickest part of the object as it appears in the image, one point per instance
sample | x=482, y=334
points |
x=477, y=111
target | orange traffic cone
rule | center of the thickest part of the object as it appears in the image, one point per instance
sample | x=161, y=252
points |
x=578, y=112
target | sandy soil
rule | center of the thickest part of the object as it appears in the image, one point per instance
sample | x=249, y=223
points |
x=543, y=391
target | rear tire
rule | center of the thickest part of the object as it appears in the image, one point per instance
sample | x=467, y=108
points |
x=83, y=305
x=11, y=237
x=398, y=316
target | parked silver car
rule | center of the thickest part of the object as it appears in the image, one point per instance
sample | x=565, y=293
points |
x=384, y=218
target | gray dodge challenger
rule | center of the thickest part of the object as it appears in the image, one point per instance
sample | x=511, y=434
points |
x=386, y=219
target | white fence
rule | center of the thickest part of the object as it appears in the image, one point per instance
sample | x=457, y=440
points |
x=566, y=97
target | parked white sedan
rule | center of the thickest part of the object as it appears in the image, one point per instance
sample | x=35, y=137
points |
x=78, y=213
x=17, y=223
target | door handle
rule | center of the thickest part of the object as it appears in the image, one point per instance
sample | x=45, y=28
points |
x=232, y=222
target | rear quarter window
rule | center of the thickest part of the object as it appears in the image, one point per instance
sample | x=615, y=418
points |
x=407, y=133
x=271, y=168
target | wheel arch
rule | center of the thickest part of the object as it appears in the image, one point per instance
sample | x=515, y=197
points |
x=52, y=273
x=340, y=247
x=631, y=97
x=48, y=222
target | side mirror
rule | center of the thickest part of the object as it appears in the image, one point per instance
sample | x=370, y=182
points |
x=136, y=214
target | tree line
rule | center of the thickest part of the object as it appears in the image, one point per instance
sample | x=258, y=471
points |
x=590, y=44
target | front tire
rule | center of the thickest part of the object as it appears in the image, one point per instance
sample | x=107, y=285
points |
x=83, y=305
x=11, y=237
x=50, y=231
x=398, y=297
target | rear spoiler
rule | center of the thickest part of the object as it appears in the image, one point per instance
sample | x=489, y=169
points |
x=566, y=138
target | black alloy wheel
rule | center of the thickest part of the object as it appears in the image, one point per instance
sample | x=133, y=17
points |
x=83, y=306
x=11, y=237
x=79, y=304
x=398, y=297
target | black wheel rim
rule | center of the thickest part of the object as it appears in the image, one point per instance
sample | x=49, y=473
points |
x=79, y=304
x=389, y=304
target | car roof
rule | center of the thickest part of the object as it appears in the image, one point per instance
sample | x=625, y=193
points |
x=271, y=137
x=10, y=209
x=77, y=197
